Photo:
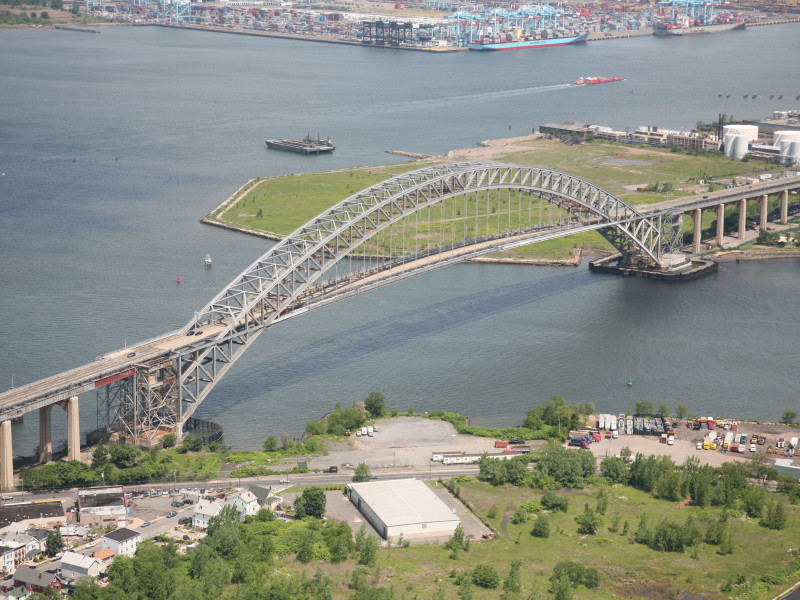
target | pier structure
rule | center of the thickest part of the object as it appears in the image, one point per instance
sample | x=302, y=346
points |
x=409, y=224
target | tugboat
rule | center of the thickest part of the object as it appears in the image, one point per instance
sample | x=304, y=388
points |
x=306, y=146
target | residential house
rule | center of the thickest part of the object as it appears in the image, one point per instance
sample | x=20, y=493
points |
x=266, y=497
x=35, y=580
x=18, y=593
x=105, y=556
x=122, y=541
x=16, y=539
x=246, y=504
x=206, y=509
x=9, y=559
x=74, y=566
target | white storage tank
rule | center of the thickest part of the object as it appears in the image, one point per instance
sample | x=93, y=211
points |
x=727, y=144
x=779, y=136
x=740, y=146
x=751, y=131
x=793, y=151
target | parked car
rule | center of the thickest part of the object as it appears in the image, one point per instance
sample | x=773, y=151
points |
x=171, y=514
x=91, y=544
x=146, y=524
x=186, y=538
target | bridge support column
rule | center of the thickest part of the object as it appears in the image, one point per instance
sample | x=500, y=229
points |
x=73, y=430
x=763, y=221
x=697, y=215
x=45, y=438
x=784, y=206
x=742, y=218
x=6, y=457
x=720, y=223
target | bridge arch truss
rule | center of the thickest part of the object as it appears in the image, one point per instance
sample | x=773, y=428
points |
x=415, y=221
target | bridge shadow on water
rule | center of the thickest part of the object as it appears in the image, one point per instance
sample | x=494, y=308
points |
x=377, y=336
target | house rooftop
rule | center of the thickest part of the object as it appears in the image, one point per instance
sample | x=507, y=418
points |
x=23, y=512
x=123, y=534
x=74, y=559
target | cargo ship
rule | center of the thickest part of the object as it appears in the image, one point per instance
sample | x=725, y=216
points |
x=595, y=81
x=306, y=146
x=671, y=27
x=533, y=43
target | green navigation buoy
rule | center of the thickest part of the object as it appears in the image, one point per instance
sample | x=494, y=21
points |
x=630, y=382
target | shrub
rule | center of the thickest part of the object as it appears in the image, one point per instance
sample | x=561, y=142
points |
x=552, y=501
x=486, y=576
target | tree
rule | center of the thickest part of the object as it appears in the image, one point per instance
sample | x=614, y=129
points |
x=774, y=517
x=311, y=503
x=56, y=4
x=513, y=582
x=192, y=443
x=264, y=515
x=100, y=456
x=123, y=455
x=486, y=576
x=362, y=473
x=168, y=440
x=375, y=404
x=789, y=417
x=368, y=551
x=588, y=522
x=663, y=409
x=681, y=410
x=552, y=501
x=55, y=543
x=270, y=444
x=541, y=528
x=615, y=469
x=643, y=407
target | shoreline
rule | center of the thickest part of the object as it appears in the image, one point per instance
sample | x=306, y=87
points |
x=574, y=260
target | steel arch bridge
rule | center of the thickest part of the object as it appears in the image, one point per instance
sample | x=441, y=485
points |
x=309, y=268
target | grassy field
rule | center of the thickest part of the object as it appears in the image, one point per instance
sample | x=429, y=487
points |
x=628, y=569
x=277, y=206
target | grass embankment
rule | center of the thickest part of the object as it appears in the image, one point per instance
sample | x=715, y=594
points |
x=277, y=206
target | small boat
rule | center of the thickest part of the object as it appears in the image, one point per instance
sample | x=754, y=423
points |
x=630, y=382
x=208, y=260
x=728, y=95
x=746, y=94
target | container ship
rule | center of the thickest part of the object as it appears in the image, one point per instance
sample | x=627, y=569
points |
x=486, y=44
x=596, y=80
x=671, y=27
x=306, y=146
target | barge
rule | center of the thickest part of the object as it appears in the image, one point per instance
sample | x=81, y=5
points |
x=306, y=146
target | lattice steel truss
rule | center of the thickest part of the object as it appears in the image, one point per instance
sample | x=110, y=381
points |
x=293, y=273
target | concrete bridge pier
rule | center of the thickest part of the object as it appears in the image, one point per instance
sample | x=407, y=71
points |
x=697, y=214
x=720, y=223
x=742, y=218
x=6, y=457
x=762, y=224
x=45, y=437
x=73, y=429
x=784, y=206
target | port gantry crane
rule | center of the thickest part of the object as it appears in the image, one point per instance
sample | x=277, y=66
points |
x=702, y=10
x=468, y=25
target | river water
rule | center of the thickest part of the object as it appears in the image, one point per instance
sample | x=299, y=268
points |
x=113, y=146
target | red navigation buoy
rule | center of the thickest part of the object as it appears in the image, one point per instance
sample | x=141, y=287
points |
x=74, y=159
x=179, y=279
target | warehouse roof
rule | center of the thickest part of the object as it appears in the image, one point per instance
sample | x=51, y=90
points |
x=404, y=501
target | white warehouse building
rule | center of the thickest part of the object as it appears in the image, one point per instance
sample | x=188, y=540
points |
x=404, y=507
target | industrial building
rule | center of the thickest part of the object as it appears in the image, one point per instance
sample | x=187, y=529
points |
x=404, y=507
x=101, y=505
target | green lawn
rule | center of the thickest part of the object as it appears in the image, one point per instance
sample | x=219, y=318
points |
x=279, y=205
